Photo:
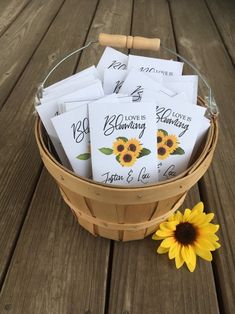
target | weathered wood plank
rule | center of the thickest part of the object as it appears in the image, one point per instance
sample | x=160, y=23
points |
x=9, y=10
x=198, y=40
x=19, y=158
x=112, y=17
x=223, y=13
x=147, y=282
x=57, y=267
x=21, y=39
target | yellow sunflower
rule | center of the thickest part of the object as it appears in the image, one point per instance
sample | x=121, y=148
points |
x=119, y=146
x=127, y=158
x=162, y=151
x=134, y=146
x=160, y=137
x=171, y=141
x=187, y=235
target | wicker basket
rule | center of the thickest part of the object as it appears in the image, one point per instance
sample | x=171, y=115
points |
x=121, y=213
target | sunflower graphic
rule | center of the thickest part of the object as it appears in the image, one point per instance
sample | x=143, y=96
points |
x=133, y=145
x=119, y=146
x=160, y=136
x=127, y=159
x=127, y=151
x=167, y=144
x=171, y=141
x=162, y=151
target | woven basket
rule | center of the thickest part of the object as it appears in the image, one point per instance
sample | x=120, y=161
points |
x=121, y=213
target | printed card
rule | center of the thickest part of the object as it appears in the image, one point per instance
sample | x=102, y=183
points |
x=123, y=143
x=73, y=131
x=178, y=124
x=89, y=71
x=183, y=83
x=137, y=84
x=113, y=80
x=112, y=59
x=48, y=110
x=154, y=65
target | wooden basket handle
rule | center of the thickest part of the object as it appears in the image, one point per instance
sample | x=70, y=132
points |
x=122, y=41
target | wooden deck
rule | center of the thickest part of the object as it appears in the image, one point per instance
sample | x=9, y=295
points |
x=49, y=264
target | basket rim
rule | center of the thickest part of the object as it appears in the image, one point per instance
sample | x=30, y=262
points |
x=209, y=145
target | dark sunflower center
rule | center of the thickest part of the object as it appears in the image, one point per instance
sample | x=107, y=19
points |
x=120, y=148
x=159, y=139
x=169, y=143
x=161, y=151
x=127, y=157
x=132, y=147
x=185, y=233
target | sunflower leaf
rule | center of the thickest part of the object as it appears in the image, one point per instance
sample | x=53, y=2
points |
x=122, y=138
x=84, y=156
x=144, y=152
x=118, y=158
x=178, y=151
x=106, y=150
x=163, y=131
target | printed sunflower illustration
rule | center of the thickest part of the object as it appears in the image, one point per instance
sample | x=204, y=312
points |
x=127, y=151
x=167, y=144
x=127, y=158
x=184, y=236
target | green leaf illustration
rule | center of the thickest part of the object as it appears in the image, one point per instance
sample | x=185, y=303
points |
x=84, y=156
x=106, y=150
x=163, y=131
x=178, y=151
x=144, y=152
x=118, y=158
x=122, y=138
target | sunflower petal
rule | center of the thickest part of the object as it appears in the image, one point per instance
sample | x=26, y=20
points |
x=168, y=225
x=178, y=216
x=155, y=237
x=187, y=214
x=191, y=264
x=204, y=243
x=164, y=234
x=179, y=261
x=209, y=228
x=162, y=250
x=166, y=243
x=203, y=220
x=199, y=207
x=174, y=250
x=205, y=254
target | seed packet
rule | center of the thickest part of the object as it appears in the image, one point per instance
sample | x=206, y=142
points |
x=73, y=132
x=113, y=80
x=111, y=59
x=48, y=110
x=88, y=71
x=183, y=83
x=154, y=65
x=137, y=84
x=177, y=124
x=123, y=143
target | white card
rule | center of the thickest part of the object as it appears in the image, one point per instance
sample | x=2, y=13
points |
x=113, y=80
x=178, y=124
x=112, y=59
x=154, y=65
x=137, y=84
x=49, y=109
x=123, y=143
x=183, y=83
x=202, y=131
x=73, y=131
x=88, y=71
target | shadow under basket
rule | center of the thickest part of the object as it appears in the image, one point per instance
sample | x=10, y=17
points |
x=121, y=213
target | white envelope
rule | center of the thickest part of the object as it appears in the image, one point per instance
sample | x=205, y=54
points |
x=154, y=65
x=72, y=129
x=113, y=80
x=137, y=84
x=111, y=59
x=183, y=83
x=133, y=126
x=88, y=71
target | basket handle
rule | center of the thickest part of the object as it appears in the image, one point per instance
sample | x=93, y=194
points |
x=135, y=42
